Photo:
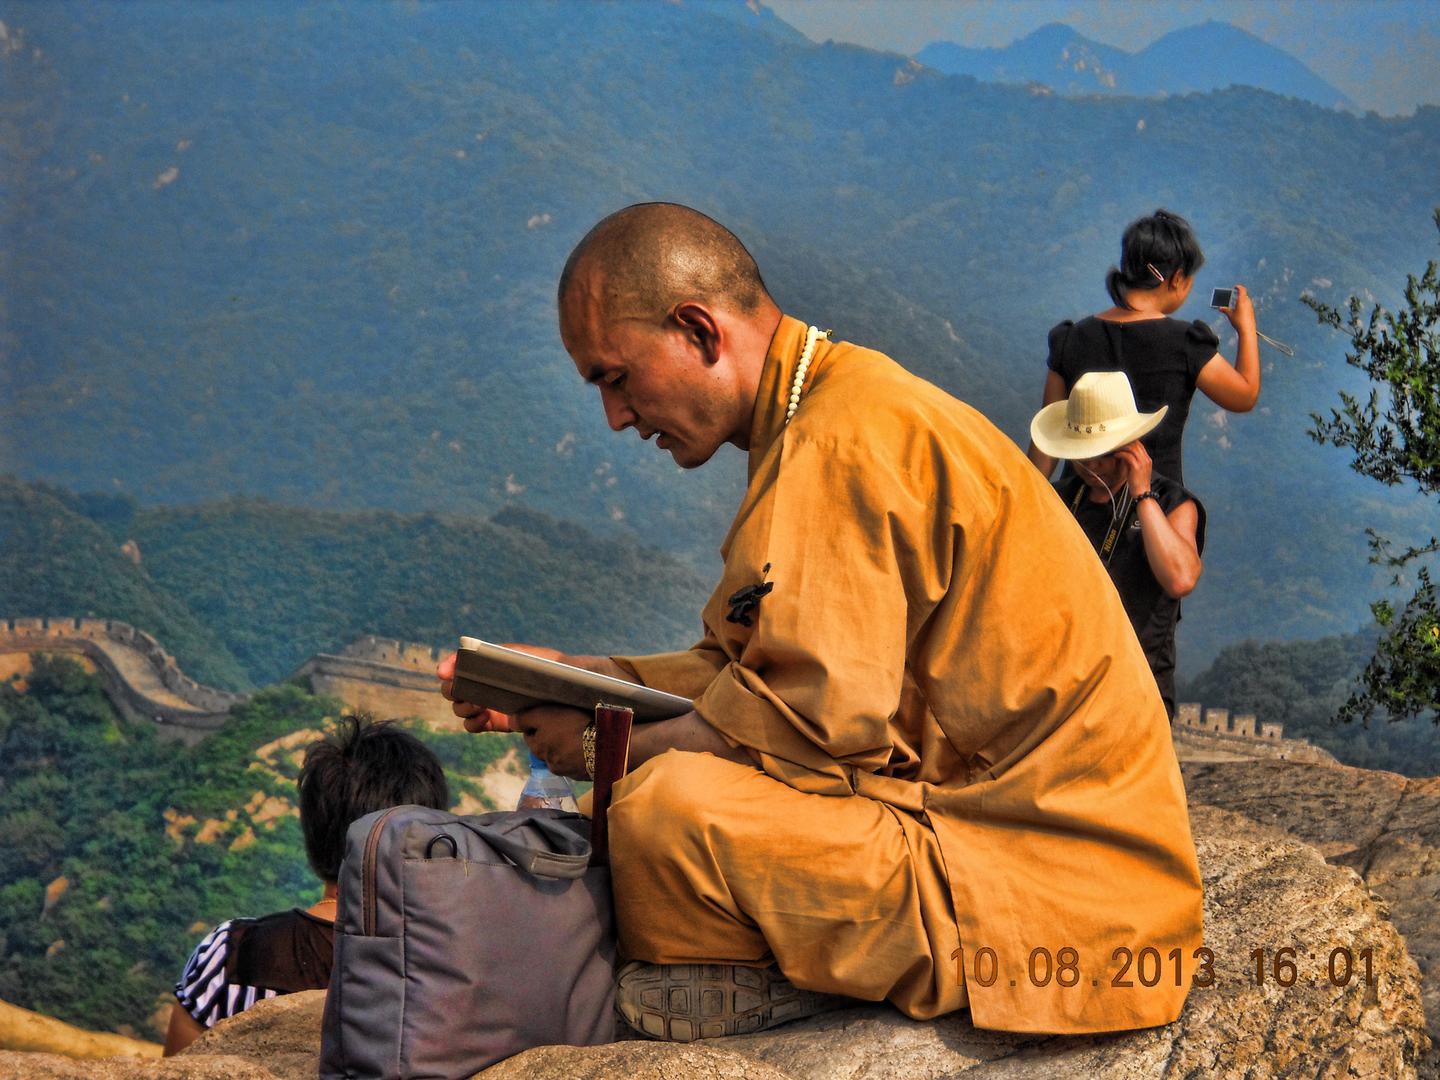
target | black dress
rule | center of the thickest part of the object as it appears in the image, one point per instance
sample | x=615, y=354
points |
x=1162, y=357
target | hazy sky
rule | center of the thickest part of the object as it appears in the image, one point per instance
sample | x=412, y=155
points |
x=1383, y=54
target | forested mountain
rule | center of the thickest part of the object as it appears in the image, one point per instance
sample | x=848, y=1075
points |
x=1210, y=56
x=122, y=849
x=280, y=584
x=56, y=560
x=1302, y=684
x=308, y=253
x=265, y=587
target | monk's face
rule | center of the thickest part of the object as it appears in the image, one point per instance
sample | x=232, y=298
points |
x=657, y=378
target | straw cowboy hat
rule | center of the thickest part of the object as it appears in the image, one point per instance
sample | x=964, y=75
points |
x=1099, y=416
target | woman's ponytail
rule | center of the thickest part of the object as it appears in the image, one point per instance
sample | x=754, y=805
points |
x=1152, y=250
x=1114, y=285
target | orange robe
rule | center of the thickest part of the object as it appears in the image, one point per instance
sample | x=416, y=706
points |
x=964, y=766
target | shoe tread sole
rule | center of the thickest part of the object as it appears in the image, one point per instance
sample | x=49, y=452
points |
x=685, y=1002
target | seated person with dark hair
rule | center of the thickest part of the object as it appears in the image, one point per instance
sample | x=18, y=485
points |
x=360, y=768
x=1147, y=529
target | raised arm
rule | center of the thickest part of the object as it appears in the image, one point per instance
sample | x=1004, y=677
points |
x=1235, y=388
x=1170, y=545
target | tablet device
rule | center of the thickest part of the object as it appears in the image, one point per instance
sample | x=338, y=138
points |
x=509, y=680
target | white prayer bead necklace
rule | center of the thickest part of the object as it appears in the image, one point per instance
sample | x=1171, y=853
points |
x=812, y=335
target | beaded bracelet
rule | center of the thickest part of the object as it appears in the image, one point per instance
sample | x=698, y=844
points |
x=587, y=747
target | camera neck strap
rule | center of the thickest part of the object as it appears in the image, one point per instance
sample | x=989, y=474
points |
x=1120, y=506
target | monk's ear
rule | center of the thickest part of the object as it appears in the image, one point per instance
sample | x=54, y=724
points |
x=701, y=326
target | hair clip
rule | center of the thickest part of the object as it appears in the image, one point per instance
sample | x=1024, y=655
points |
x=1158, y=276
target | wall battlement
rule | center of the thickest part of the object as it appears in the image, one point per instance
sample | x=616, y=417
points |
x=141, y=678
x=1208, y=731
x=387, y=678
x=1190, y=717
x=396, y=653
x=382, y=675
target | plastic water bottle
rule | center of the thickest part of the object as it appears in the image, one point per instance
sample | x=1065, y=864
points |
x=545, y=790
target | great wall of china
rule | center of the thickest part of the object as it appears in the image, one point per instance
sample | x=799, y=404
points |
x=384, y=678
x=1214, y=735
x=142, y=679
x=389, y=678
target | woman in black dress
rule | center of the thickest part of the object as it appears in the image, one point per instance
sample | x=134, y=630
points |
x=1166, y=359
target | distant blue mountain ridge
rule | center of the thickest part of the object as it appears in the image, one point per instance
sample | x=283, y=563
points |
x=307, y=253
x=1201, y=58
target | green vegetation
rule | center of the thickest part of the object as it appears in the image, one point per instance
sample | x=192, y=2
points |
x=1396, y=444
x=243, y=592
x=279, y=584
x=1303, y=684
x=56, y=560
x=343, y=298
x=118, y=813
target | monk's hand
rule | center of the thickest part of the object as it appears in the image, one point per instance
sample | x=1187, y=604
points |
x=478, y=718
x=1138, y=467
x=553, y=734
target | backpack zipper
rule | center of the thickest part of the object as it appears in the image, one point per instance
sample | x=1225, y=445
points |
x=367, y=873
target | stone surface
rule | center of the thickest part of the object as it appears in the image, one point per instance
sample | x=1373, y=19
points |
x=1384, y=826
x=20, y=1066
x=21, y=1029
x=633, y=1061
x=1192, y=744
x=281, y=1033
x=1264, y=889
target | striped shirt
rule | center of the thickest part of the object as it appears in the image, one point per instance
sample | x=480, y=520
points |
x=203, y=990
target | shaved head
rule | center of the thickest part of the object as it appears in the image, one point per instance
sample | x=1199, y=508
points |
x=652, y=256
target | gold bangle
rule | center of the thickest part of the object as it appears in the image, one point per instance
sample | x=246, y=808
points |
x=587, y=747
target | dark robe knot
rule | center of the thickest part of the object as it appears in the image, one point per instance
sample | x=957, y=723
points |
x=744, y=601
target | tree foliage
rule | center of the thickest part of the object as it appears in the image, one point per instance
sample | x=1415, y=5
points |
x=1397, y=442
x=1303, y=685
x=145, y=844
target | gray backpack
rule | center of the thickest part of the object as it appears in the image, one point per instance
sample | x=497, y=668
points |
x=460, y=941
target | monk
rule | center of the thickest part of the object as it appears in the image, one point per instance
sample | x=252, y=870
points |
x=927, y=762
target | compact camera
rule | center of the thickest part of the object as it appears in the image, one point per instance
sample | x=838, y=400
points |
x=1222, y=298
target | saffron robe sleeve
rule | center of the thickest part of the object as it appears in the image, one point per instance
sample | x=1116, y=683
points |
x=940, y=637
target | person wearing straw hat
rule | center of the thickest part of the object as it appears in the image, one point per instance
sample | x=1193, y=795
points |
x=1147, y=529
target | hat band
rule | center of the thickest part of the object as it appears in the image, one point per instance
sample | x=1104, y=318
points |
x=1086, y=429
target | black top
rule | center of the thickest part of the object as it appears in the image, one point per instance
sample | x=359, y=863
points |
x=288, y=951
x=1162, y=357
x=1152, y=612
x=248, y=960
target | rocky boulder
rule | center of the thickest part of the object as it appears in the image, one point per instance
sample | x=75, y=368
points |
x=1264, y=890
x=1384, y=826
